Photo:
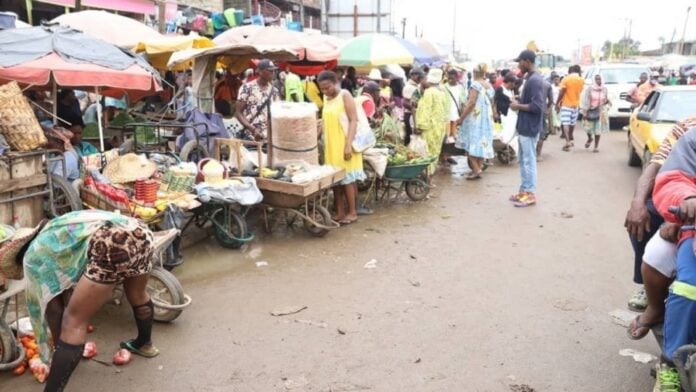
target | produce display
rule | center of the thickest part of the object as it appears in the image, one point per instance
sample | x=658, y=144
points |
x=31, y=360
x=402, y=155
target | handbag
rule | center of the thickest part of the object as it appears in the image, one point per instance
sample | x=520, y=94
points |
x=364, y=137
x=593, y=114
x=236, y=127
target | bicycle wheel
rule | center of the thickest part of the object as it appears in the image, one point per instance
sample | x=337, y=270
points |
x=165, y=288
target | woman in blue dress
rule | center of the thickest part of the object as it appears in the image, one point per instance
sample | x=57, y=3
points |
x=476, y=123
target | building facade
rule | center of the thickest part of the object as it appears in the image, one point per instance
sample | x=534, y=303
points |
x=350, y=18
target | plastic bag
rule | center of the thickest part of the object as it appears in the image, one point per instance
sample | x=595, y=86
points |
x=418, y=145
x=364, y=137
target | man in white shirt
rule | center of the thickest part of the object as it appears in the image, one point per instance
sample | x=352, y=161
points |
x=416, y=76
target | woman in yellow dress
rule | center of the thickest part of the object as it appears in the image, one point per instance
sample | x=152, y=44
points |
x=340, y=123
x=432, y=115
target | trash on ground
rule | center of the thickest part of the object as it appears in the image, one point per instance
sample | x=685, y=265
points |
x=521, y=388
x=638, y=356
x=623, y=317
x=414, y=283
x=260, y=264
x=371, y=264
x=288, y=310
x=313, y=323
x=566, y=215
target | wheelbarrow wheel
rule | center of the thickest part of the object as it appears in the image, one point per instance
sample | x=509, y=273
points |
x=228, y=227
x=164, y=287
x=417, y=190
x=321, y=215
x=506, y=156
x=370, y=174
x=65, y=197
x=8, y=347
x=193, y=151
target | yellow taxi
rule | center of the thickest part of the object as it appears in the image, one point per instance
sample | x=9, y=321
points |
x=651, y=122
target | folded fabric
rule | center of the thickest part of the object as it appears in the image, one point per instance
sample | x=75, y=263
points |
x=242, y=190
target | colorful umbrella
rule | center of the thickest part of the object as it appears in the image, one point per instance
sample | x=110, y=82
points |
x=308, y=47
x=60, y=56
x=161, y=49
x=431, y=49
x=114, y=29
x=374, y=50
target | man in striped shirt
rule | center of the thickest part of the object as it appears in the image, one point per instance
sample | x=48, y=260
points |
x=655, y=255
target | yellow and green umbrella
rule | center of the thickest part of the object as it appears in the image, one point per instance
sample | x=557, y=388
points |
x=375, y=50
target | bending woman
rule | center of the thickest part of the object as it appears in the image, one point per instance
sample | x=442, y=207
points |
x=87, y=252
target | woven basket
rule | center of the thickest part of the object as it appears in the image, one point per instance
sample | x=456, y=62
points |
x=18, y=122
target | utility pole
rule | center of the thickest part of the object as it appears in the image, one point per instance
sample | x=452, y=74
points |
x=302, y=20
x=686, y=21
x=379, y=16
x=454, y=27
x=403, y=28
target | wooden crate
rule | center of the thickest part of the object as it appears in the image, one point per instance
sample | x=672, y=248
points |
x=25, y=177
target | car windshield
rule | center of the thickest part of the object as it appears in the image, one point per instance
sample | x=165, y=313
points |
x=676, y=106
x=621, y=75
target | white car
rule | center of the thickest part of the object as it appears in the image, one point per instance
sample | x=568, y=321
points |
x=619, y=79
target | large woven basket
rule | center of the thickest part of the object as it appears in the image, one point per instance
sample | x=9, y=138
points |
x=18, y=122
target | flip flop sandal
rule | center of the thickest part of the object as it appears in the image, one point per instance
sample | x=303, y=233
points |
x=346, y=222
x=566, y=148
x=151, y=352
x=588, y=144
x=636, y=325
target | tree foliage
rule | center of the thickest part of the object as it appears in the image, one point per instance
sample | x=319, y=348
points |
x=620, y=49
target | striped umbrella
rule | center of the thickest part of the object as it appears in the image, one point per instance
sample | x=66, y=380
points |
x=431, y=49
x=375, y=50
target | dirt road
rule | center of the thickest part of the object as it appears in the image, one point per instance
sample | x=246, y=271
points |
x=467, y=294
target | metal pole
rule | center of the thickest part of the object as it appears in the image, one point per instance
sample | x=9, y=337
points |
x=379, y=16
x=686, y=21
x=99, y=120
x=161, y=11
x=302, y=13
x=403, y=28
x=54, y=98
x=454, y=27
x=355, y=20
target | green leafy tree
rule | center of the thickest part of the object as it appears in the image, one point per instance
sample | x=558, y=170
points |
x=620, y=49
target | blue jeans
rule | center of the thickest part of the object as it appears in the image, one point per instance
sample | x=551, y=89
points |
x=528, y=164
x=680, y=311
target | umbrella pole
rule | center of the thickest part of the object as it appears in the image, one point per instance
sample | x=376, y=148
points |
x=54, y=98
x=99, y=120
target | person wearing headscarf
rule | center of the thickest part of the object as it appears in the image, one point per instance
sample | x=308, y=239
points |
x=431, y=115
x=594, y=107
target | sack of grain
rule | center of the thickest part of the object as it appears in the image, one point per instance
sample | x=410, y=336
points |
x=294, y=132
x=18, y=122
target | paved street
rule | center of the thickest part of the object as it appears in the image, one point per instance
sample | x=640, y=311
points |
x=468, y=294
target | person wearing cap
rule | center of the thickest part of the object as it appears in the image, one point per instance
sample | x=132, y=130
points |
x=71, y=267
x=530, y=108
x=432, y=115
x=568, y=103
x=251, y=109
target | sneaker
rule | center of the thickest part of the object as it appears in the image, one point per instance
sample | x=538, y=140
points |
x=639, y=301
x=666, y=379
x=526, y=200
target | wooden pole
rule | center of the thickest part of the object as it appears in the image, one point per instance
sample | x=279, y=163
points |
x=161, y=16
x=30, y=17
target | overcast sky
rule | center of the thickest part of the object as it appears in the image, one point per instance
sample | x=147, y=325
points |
x=499, y=29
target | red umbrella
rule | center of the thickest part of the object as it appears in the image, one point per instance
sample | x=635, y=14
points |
x=66, y=74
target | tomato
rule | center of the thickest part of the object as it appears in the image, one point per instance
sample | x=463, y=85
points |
x=122, y=357
x=19, y=370
x=90, y=328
